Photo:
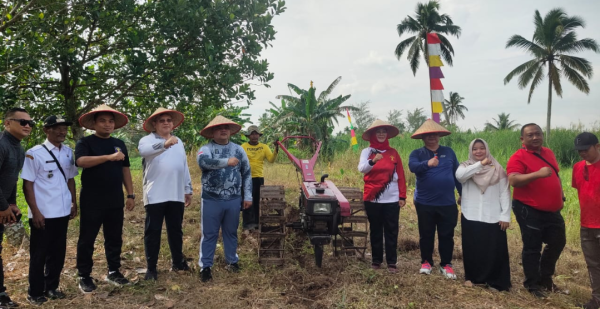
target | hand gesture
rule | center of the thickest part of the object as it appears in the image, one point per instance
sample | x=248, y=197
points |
x=130, y=204
x=73, y=211
x=38, y=220
x=7, y=216
x=544, y=172
x=188, y=200
x=233, y=161
x=171, y=141
x=504, y=225
x=433, y=162
x=486, y=161
x=117, y=156
x=401, y=203
x=247, y=204
x=377, y=158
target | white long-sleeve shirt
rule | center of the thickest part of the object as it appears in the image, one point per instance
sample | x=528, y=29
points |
x=490, y=207
x=166, y=173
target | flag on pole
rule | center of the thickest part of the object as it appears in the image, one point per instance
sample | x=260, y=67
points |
x=434, y=51
x=353, y=141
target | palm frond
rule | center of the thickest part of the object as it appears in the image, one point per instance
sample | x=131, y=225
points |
x=537, y=79
x=528, y=75
x=413, y=56
x=329, y=89
x=554, y=75
x=580, y=64
x=521, y=42
x=296, y=89
x=576, y=79
x=403, y=45
x=519, y=70
x=447, y=50
x=579, y=46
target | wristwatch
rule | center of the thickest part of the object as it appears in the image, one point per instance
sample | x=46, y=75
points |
x=131, y=196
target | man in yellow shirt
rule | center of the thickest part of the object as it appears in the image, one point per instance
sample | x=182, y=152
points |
x=257, y=153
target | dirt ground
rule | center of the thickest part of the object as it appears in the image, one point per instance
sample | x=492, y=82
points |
x=345, y=282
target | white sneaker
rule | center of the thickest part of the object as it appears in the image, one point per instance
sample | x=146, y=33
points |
x=448, y=272
x=425, y=268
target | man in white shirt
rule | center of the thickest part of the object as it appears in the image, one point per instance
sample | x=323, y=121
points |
x=167, y=188
x=49, y=190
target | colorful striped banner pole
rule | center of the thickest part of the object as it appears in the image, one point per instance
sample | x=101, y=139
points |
x=353, y=141
x=434, y=52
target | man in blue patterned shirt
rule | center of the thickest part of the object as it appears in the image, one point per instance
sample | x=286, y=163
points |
x=225, y=176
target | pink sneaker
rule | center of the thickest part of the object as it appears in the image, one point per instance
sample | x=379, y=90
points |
x=392, y=268
x=425, y=268
x=375, y=266
x=448, y=272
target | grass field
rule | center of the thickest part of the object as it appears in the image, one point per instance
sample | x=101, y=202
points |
x=341, y=283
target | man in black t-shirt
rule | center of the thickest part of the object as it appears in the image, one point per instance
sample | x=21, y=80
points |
x=105, y=164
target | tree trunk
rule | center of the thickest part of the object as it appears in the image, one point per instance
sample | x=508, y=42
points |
x=549, y=113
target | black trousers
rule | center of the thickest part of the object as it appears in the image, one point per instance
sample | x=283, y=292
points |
x=539, y=227
x=47, y=251
x=251, y=215
x=111, y=221
x=442, y=218
x=172, y=214
x=383, y=225
x=2, y=287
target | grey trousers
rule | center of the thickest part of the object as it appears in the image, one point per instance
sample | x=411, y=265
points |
x=590, y=245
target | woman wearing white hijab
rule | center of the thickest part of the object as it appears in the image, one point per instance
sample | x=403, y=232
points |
x=485, y=217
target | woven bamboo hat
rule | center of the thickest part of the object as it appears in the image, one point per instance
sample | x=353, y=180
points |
x=87, y=120
x=175, y=115
x=220, y=120
x=428, y=127
x=378, y=123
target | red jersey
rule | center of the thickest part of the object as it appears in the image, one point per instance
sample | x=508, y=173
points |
x=586, y=179
x=544, y=194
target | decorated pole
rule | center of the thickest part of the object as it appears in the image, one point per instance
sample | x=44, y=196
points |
x=353, y=141
x=435, y=75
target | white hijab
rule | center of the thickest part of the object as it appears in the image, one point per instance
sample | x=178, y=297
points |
x=490, y=174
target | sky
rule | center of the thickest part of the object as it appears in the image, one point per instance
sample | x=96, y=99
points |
x=319, y=40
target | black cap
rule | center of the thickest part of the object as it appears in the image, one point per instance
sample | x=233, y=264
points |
x=55, y=120
x=585, y=140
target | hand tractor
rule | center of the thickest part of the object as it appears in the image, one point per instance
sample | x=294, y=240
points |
x=326, y=213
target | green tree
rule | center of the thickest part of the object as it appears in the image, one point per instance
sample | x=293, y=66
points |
x=415, y=119
x=395, y=118
x=427, y=20
x=454, y=109
x=502, y=123
x=363, y=117
x=554, y=38
x=189, y=55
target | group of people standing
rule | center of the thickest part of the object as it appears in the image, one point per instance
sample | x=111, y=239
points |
x=483, y=189
x=49, y=169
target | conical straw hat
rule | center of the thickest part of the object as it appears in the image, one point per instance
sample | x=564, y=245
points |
x=175, y=115
x=378, y=123
x=87, y=120
x=219, y=120
x=430, y=126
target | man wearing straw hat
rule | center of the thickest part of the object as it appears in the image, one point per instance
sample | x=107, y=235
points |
x=167, y=187
x=105, y=163
x=225, y=175
x=435, y=167
x=49, y=188
x=257, y=153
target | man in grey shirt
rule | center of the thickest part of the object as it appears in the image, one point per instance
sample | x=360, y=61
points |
x=18, y=125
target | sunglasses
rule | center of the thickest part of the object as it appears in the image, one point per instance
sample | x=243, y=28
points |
x=165, y=120
x=24, y=122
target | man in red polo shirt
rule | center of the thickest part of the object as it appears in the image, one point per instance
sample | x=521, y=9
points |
x=586, y=179
x=537, y=201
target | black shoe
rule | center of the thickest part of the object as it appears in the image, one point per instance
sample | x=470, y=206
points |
x=55, y=294
x=181, y=267
x=86, y=284
x=36, y=300
x=151, y=275
x=205, y=274
x=234, y=268
x=116, y=278
x=6, y=302
x=538, y=293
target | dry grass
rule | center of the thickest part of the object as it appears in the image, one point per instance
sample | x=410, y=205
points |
x=341, y=283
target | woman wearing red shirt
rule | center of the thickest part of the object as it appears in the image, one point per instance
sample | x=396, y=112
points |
x=384, y=192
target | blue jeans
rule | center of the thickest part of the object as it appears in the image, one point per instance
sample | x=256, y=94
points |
x=217, y=215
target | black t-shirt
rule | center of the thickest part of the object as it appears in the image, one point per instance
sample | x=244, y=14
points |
x=102, y=185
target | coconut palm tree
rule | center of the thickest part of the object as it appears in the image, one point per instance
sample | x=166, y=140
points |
x=502, y=123
x=454, y=109
x=426, y=20
x=553, y=40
